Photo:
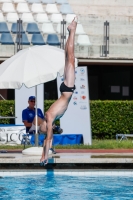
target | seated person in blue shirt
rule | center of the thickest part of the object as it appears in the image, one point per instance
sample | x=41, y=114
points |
x=28, y=118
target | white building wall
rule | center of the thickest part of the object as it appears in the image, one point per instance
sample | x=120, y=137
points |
x=93, y=13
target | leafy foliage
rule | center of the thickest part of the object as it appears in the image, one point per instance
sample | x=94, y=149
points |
x=111, y=117
x=7, y=108
x=108, y=118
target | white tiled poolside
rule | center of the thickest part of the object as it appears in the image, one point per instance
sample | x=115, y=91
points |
x=70, y=172
x=67, y=158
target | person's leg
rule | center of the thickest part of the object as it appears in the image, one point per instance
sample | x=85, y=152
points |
x=66, y=51
x=51, y=147
x=44, y=144
x=47, y=142
x=51, y=143
x=39, y=121
x=69, y=71
x=43, y=156
x=39, y=124
x=43, y=126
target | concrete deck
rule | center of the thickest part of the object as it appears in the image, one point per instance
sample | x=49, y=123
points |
x=79, y=156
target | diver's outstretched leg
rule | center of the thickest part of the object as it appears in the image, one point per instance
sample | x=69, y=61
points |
x=69, y=71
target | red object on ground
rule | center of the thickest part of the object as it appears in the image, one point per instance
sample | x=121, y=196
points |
x=94, y=150
x=80, y=150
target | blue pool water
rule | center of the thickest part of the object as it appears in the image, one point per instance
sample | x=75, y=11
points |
x=52, y=187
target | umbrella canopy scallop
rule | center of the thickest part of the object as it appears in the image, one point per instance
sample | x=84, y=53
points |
x=32, y=66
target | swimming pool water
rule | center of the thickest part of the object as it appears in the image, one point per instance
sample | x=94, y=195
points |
x=52, y=187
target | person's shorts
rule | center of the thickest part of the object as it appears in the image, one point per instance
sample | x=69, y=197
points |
x=64, y=88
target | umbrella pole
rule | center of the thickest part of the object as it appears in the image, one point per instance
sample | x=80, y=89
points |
x=36, y=133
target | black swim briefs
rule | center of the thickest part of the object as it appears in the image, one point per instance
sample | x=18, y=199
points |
x=64, y=88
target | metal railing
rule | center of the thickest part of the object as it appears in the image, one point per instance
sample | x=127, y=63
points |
x=63, y=34
x=105, y=47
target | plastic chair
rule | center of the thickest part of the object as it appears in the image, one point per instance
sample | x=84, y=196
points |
x=3, y=27
x=8, y=7
x=70, y=17
x=27, y=17
x=29, y=139
x=42, y=17
x=83, y=40
x=37, y=39
x=14, y=28
x=51, y=8
x=2, y=19
x=58, y=28
x=66, y=9
x=48, y=28
x=56, y=18
x=19, y=1
x=5, y=1
x=79, y=29
x=34, y=1
x=37, y=8
x=26, y=139
x=32, y=28
x=6, y=39
x=24, y=40
x=52, y=39
x=48, y=1
x=12, y=17
x=61, y=1
x=22, y=8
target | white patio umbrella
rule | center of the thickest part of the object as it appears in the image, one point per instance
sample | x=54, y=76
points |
x=32, y=66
